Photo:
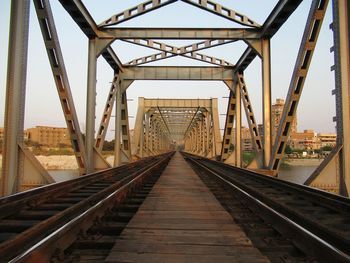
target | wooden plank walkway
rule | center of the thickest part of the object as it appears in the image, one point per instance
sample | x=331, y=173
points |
x=181, y=221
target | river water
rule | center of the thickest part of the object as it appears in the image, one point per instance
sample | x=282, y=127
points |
x=295, y=174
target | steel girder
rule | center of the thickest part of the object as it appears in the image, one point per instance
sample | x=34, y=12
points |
x=253, y=127
x=272, y=24
x=107, y=112
x=176, y=73
x=54, y=52
x=229, y=128
x=206, y=5
x=333, y=174
x=16, y=158
x=307, y=47
x=171, y=51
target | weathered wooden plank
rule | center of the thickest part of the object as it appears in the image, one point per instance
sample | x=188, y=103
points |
x=181, y=221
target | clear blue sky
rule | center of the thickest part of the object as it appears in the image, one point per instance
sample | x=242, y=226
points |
x=316, y=108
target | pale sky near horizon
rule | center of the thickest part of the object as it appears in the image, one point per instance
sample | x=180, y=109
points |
x=316, y=108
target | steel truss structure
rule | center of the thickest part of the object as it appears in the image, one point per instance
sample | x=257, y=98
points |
x=165, y=124
x=160, y=126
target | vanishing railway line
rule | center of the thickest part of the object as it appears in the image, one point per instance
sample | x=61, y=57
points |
x=79, y=220
x=28, y=218
x=317, y=222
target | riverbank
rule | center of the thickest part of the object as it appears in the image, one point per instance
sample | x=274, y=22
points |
x=303, y=162
x=59, y=162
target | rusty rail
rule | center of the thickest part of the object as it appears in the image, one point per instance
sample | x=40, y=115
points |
x=69, y=200
x=316, y=221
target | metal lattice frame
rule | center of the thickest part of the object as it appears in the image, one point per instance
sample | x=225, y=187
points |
x=307, y=47
x=202, y=136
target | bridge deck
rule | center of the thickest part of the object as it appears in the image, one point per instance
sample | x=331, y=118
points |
x=181, y=221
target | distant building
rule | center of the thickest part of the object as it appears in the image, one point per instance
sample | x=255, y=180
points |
x=25, y=134
x=327, y=139
x=306, y=140
x=49, y=136
x=276, y=116
x=247, y=145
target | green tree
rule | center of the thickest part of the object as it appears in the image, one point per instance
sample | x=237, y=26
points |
x=327, y=148
x=288, y=149
x=108, y=146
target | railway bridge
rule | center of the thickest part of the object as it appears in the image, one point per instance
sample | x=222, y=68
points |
x=178, y=190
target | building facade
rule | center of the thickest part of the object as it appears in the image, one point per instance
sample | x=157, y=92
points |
x=25, y=134
x=276, y=115
x=49, y=136
x=327, y=139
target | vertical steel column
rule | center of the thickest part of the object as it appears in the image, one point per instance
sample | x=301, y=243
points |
x=117, y=135
x=12, y=168
x=91, y=107
x=238, y=144
x=266, y=78
x=216, y=126
x=147, y=132
x=142, y=136
x=341, y=28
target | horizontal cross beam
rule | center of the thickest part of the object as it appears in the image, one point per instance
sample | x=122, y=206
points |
x=177, y=73
x=177, y=104
x=180, y=33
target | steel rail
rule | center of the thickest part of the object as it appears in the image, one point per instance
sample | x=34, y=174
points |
x=44, y=226
x=33, y=197
x=64, y=236
x=306, y=228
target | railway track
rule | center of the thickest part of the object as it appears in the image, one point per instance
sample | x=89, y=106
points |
x=36, y=225
x=317, y=222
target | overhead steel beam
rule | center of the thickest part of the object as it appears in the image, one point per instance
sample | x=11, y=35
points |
x=223, y=11
x=177, y=73
x=180, y=33
x=135, y=11
x=182, y=50
x=112, y=59
x=81, y=16
x=207, y=5
x=170, y=51
x=77, y=10
x=278, y=16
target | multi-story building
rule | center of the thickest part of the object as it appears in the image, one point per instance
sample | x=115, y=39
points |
x=327, y=139
x=276, y=116
x=306, y=140
x=25, y=134
x=247, y=145
x=49, y=136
